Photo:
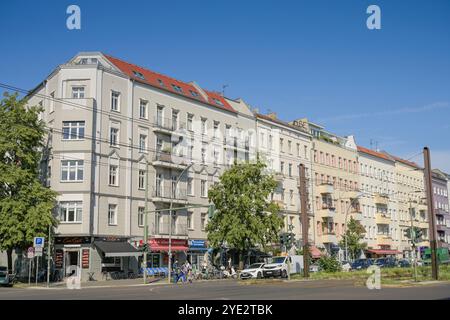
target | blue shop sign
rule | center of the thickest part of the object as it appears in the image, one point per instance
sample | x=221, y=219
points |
x=197, y=244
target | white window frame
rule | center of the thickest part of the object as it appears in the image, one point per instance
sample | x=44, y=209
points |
x=66, y=165
x=204, y=188
x=141, y=178
x=143, y=148
x=190, y=182
x=77, y=206
x=141, y=213
x=115, y=106
x=114, y=211
x=78, y=92
x=70, y=125
x=116, y=176
x=117, y=134
x=143, y=106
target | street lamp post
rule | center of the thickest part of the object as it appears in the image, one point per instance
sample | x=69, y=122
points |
x=146, y=223
x=170, y=219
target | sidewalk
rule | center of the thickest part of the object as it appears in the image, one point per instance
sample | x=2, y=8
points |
x=97, y=284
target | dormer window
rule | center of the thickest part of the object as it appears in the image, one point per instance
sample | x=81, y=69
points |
x=218, y=102
x=177, y=88
x=138, y=75
x=161, y=83
x=193, y=93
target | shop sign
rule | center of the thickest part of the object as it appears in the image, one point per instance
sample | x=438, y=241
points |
x=110, y=239
x=73, y=240
x=197, y=244
x=165, y=242
x=59, y=254
x=85, y=259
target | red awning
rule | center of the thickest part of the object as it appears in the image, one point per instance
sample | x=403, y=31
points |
x=381, y=251
x=166, y=248
x=315, y=252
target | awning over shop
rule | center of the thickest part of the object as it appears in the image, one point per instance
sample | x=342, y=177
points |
x=117, y=249
x=382, y=251
x=315, y=252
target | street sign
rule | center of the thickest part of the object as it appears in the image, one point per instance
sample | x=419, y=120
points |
x=30, y=253
x=38, y=242
x=38, y=252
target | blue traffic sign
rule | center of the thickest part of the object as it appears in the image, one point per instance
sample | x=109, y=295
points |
x=38, y=242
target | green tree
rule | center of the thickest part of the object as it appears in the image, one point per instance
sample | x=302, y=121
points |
x=25, y=204
x=354, y=234
x=244, y=217
x=329, y=264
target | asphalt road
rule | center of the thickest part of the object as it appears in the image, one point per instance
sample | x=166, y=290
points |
x=234, y=290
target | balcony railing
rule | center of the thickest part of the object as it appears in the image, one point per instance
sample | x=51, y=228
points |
x=168, y=193
x=169, y=124
x=177, y=229
x=170, y=158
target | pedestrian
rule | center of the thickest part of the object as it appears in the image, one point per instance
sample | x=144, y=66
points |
x=189, y=271
x=175, y=270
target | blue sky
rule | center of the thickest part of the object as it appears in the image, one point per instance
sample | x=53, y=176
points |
x=313, y=59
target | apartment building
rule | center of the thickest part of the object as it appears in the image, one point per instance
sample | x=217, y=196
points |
x=335, y=184
x=112, y=124
x=284, y=147
x=411, y=203
x=378, y=206
x=441, y=207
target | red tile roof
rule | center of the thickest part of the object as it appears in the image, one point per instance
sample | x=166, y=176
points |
x=373, y=153
x=164, y=82
x=409, y=163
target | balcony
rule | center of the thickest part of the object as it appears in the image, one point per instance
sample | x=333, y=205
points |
x=168, y=160
x=325, y=188
x=168, y=126
x=441, y=226
x=168, y=194
x=329, y=237
x=356, y=215
x=327, y=211
x=381, y=199
x=382, y=218
x=384, y=239
x=178, y=230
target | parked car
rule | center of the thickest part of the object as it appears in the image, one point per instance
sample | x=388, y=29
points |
x=254, y=270
x=388, y=262
x=278, y=266
x=403, y=263
x=6, y=279
x=360, y=264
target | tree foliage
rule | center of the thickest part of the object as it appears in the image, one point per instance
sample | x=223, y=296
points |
x=25, y=204
x=354, y=234
x=244, y=215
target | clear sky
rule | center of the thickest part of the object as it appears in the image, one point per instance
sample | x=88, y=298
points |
x=313, y=59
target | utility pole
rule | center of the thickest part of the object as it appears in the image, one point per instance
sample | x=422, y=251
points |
x=304, y=215
x=432, y=223
x=146, y=223
x=48, y=256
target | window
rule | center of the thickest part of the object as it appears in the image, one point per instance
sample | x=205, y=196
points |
x=204, y=154
x=142, y=143
x=177, y=88
x=161, y=83
x=218, y=102
x=298, y=150
x=115, y=100
x=112, y=214
x=141, y=179
x=291, y=195
x=143, y=109
x=204, y=188
x=203, y=221
x=216, y=129
x=72, y=170
x=70, y=211
x=194, y=93
x=281, y=144
x=73, y=130
x=141, y=211
x=138, y=75
x=204, y=126
x=290, y=169
x=190, y=118
x=270, y=142
x=77, y=92
x=282, y=167
x=290, y=146
x=52, y=102
x=190, y=186
x=190, y=220
x=114, y=137
x=113, y=175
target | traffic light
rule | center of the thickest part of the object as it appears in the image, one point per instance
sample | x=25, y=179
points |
x=418, y=235
x=283, y=239
x=407, y=233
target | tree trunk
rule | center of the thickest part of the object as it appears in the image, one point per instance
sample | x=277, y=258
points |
x=9, y=254
x=241, y=259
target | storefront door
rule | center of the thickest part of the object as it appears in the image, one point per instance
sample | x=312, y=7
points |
x=72, y=262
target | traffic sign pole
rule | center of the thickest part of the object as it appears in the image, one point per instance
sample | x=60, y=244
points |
x=37, y=268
